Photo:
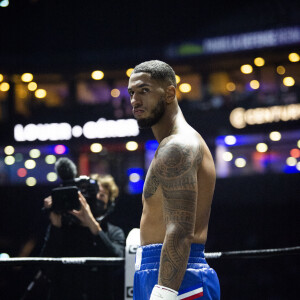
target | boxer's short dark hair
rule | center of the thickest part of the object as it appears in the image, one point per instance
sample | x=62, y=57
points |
x=158, y=70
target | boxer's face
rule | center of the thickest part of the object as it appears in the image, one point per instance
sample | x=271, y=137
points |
x=147, y=98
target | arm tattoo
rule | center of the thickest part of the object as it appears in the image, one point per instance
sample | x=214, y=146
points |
x=176, y=171
x=174, y=160
x=151, y=186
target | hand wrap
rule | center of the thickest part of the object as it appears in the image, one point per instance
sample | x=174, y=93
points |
x=163, y=293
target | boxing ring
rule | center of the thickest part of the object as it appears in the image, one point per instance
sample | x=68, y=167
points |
x=132, y=243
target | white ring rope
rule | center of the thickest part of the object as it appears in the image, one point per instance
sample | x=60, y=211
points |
x=114, y=261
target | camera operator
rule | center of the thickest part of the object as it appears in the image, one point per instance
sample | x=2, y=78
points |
x=83, y=232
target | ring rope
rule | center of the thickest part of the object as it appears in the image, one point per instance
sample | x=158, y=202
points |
x=115, y=261
x=253, y=253
x=103, y=261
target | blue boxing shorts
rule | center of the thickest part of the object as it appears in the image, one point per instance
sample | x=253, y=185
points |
x=199, y=282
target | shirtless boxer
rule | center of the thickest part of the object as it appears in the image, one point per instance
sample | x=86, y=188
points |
x=177, y=195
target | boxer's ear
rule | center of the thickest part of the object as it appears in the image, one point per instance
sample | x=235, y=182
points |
x=170, y=94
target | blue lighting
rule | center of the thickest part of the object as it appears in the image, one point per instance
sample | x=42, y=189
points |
x=135, y=187
x=290, y=169
x=151, y=145
x=138, y=171
x=238, y=140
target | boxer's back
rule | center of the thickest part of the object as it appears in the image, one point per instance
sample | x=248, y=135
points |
x=152, y=225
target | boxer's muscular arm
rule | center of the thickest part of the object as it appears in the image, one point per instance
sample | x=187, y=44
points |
x=176, y=169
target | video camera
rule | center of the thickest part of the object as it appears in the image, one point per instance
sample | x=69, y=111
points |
x=65, y=197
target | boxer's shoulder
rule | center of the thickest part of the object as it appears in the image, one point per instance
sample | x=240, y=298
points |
x=177, y=153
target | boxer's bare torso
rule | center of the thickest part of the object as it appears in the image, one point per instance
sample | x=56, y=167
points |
x=182, y=164
x=180, y=182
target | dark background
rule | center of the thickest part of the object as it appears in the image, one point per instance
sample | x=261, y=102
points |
x=70, y=35
x=250, y=212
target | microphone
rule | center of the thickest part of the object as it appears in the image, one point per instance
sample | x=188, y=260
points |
x=65, y=169
x=65, y=197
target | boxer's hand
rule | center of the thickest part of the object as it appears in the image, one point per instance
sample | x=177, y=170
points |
x=163, y=293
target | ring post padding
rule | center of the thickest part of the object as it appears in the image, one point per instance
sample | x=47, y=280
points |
x=132, y=244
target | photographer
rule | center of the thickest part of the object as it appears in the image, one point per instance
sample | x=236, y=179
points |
x=83, y=232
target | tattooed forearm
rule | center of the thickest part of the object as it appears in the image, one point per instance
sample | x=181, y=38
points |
x=173, y=260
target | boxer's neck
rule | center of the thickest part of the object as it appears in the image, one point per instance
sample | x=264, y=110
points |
x=169, y=122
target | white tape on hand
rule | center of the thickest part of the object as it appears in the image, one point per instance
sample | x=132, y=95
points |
x=163, y=293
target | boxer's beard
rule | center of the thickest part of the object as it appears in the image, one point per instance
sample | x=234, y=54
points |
x=155, y=115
